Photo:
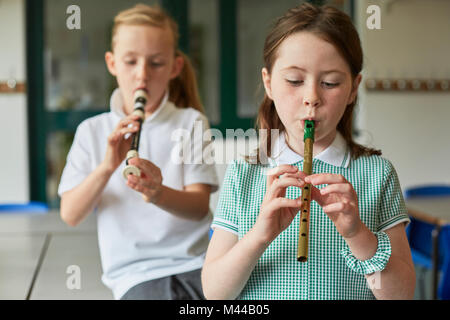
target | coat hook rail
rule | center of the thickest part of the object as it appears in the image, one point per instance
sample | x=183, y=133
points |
x=436, y=85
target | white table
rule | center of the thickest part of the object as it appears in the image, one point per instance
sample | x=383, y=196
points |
x=36, y=251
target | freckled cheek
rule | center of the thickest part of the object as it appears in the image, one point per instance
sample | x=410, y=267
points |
x=287, y=111
x=284, y=95
x=335, y=99
x=335, y=109
x=288, y=107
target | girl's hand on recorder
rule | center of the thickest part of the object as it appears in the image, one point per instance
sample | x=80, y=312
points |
x=277, y=211
x=150, y=181
x=338, y=200
x=118, y=146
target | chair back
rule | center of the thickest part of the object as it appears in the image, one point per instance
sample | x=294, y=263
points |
x=34, y=207
x=427, y=191
x=444, y=244
x=420, y=238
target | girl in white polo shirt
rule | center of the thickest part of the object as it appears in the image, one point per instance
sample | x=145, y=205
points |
x=357, y=243
x=153, y=249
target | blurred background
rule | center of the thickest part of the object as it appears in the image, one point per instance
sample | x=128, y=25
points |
x=52, y=78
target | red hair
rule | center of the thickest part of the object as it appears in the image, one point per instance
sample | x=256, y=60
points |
x=331, y=25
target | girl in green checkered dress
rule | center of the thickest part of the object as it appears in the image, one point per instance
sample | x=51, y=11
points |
x=357, y=244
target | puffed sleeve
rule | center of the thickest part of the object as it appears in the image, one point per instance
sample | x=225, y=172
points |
x=392, y=210
x=225, y=216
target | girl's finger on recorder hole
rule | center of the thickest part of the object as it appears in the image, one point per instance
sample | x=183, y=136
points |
x=280, y=184
x=274, y=173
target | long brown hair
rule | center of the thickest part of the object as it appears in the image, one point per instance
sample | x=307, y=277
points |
x=331, y=25
x=183, y=90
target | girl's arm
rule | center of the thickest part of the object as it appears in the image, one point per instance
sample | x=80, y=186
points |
x=234, y=260
x=190, y=203
x=397, y=280
x=78, y=202
x=339, y=201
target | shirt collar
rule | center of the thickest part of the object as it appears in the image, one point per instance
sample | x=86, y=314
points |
x=337, y=154
x=116, y=103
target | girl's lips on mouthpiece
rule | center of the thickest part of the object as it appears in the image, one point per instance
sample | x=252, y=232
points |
x=316, y=123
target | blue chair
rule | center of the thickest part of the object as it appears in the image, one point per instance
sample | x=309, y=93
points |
x=420, y=236
x=428, y=191
x=444, y=287
x=33, y=207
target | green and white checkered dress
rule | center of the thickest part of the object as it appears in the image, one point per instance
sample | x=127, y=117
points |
x=278, y=274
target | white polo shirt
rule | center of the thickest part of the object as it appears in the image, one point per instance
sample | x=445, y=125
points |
x=336, y=154
x=139, y=241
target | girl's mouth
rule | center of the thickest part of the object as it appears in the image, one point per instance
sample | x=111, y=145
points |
x=316, y=123
x=141, y=88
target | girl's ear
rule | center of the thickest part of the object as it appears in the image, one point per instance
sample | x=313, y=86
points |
x=110, y=63
x=266, y=81
x=178, y=65
x=355, y=87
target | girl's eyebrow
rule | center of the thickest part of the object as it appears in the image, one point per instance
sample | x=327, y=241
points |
x=333, y=71
x=322, y=72
x=129, y=52
x=294, y=67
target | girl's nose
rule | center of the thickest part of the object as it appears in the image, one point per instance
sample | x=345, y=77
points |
x=311, y=101
x=311, y=98
x=142, y=72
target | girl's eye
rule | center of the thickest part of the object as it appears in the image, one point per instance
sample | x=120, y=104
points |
x=156, y=64
x=294, y=82
x=330, y=85
x=130, y=62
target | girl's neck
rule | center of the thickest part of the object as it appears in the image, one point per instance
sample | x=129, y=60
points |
x=151, y=109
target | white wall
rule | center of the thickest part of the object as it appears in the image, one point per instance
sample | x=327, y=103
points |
x=14, y=184
x=412, y=129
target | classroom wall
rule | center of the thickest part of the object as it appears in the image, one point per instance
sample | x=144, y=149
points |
x=412, y=129
x=14, y=184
